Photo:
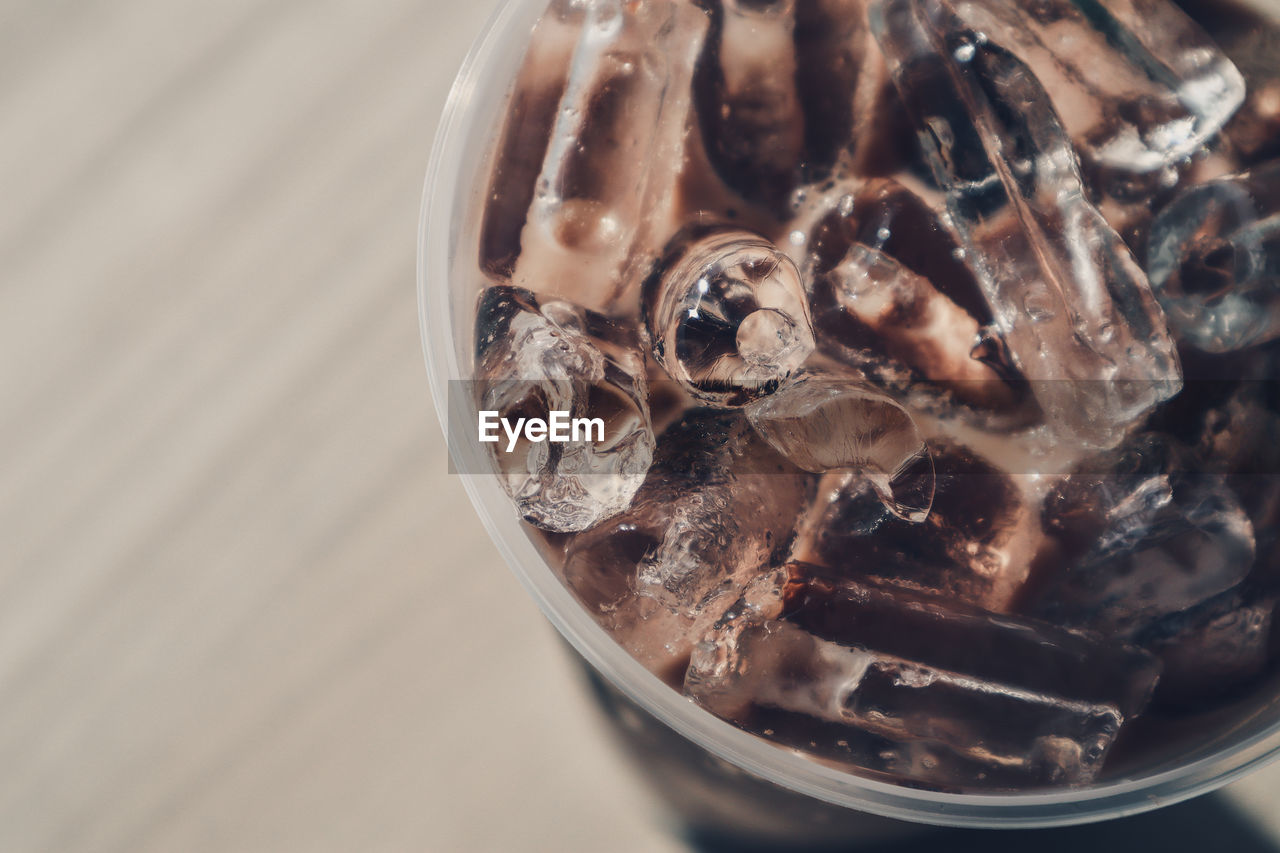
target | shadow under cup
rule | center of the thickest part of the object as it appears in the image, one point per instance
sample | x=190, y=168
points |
x=719, y=776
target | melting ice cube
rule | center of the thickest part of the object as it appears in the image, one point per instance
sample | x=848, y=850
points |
x=603, y=200
x=974, y=544
x=717, y=507
x=727, y=315
x=1143, y=534
x=1069, y=300
x=537, y=357
x=995, y=701
x=1214, y=261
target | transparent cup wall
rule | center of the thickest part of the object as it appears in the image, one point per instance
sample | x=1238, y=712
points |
x=1215, y=749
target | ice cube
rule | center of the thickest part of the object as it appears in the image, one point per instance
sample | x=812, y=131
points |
x=1210, y=648
x=975, y=544
x=604, y=198
x=1143, y=532
x=718, y=507
x=1249, y=34
x=907, y=224
x=1138, y=85
x=870, y=252
x=534, y=357
x=960, y=637
x=995, y=701
x=727, y=315
x=783, y=667
x=915, y=323
x=1068, y=298
x=729, y=666
x=1139, y=88
x=522, y=146
x=747, y=99
x=846, y=705
x=1214, y=261
x=822, y=421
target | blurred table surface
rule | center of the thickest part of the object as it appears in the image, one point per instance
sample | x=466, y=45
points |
x=243, y=605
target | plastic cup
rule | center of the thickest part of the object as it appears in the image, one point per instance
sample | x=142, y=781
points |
x=714, y=771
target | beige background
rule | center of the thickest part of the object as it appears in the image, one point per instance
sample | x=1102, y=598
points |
x=243, y=607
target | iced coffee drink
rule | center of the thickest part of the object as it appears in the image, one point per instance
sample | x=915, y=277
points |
x=894, y=378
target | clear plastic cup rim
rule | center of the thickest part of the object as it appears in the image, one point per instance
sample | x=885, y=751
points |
x=470, y=122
